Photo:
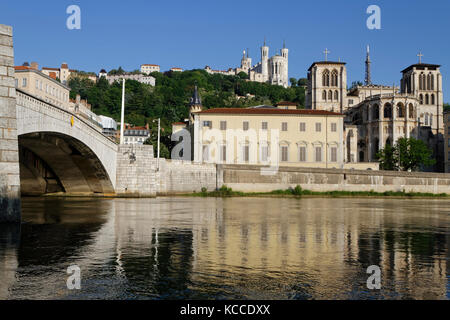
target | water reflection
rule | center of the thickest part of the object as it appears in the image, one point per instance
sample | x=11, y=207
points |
x=174, y=248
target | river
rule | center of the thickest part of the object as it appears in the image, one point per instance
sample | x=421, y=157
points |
x=227, y=248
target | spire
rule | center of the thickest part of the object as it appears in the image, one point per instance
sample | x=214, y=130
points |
x=195, y=100
x=368, y=80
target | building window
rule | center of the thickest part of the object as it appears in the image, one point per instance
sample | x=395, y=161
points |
x=223, y=153
x=333, y=127
x=264, y=153
x=302, y=126
x=302, y=154
x=284, y=153
x=284, y=126
x=223, y=125
x=318, y=154
x=448, y=142
x=350, y=102
x=245, y=125
x=17, y=83
x=246, y=153
x=264, y=125
x=333, y=154
x=318, y=127
x=24, y=82
x=207, y=124
x=37, y=84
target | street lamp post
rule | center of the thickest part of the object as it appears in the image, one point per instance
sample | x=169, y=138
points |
x=159, y=138
x=122, y=116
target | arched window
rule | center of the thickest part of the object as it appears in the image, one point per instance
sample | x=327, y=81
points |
x=426, y=119
x=432, y=98
x=432, y=82
x=324, y=95
x=427, y=99
x=388, y=141
x=330, y=95
x=411, y=111
x=421, y=98
x=431, y=119
x=429, y=82
x=420, y=81
x=400, y=110
x=326, y=78
x=334, y=78
x=375, y=112
x=336, y=95
x=387, y=111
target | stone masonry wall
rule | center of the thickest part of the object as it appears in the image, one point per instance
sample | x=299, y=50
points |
x=177, y=176
x=136, y=171
x=249, y=179
x=9, y=149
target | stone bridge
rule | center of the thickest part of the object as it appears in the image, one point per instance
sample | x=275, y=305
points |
x=48, y=149
x=62, y=149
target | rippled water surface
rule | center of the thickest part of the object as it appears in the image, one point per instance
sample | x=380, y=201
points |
x=233, y=248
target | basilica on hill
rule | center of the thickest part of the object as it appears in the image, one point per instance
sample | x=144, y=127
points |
x=377, y=115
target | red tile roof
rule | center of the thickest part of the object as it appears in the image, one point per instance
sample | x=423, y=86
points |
x=54, y=69
x=269, y=111
x=22, y=68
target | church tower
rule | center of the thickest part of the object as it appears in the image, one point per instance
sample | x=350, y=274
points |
x=367, y=79
x=285, y=54
x=265, y=61
x=195, y=104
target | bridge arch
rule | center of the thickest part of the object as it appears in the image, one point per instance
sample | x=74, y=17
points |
x=74, y=150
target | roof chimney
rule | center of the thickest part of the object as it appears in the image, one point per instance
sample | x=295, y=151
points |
x=34, y=65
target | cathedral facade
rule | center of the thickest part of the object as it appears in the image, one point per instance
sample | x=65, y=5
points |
x=377, y=115
x=273, y=70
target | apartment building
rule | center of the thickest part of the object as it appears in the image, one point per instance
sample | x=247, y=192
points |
x=42, y=86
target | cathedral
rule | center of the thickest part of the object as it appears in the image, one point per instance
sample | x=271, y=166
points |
x=377, y=115
x=273, y=70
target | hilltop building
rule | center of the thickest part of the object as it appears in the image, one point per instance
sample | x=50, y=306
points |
x=273, y=70
x=149, y=68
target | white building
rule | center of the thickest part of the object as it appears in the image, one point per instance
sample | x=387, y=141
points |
x=273, y=70
x=137, y=77
x=149, y=68
x=136, y=135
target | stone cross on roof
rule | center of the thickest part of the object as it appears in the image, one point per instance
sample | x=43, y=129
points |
x=420, y=55
x=326, y=52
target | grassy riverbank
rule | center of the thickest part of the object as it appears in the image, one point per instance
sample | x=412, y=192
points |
x=224, y=191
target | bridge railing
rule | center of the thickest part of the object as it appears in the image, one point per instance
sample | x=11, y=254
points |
x=39, y=104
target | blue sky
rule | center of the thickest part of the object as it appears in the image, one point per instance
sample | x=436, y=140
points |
x=192, y=34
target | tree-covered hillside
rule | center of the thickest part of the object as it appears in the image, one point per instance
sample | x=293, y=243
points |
x=169, y=99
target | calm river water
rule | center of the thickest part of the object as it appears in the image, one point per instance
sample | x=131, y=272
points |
x=232, y=248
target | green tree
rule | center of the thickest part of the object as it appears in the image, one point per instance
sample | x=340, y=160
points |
x=302, y=82
x=388, y=158
x=408, y=154
x=413, y=154
x=446, y=106
x=293, y=82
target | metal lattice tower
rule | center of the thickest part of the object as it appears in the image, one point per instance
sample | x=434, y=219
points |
x=368, y=80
